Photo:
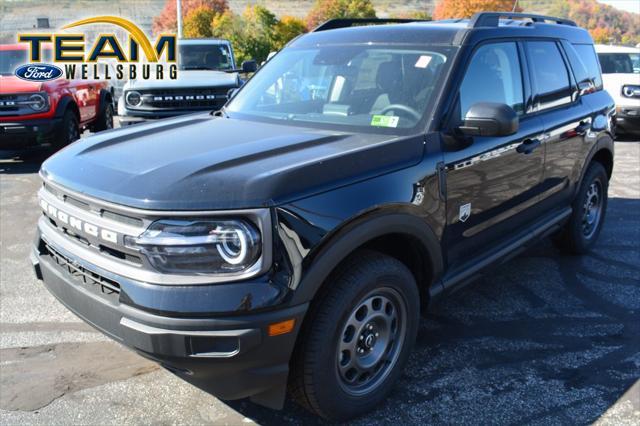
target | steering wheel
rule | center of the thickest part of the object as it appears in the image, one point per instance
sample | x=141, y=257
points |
x=404, y=108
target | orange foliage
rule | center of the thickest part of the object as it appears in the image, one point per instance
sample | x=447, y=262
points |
x=447, y=9
x=167, y=20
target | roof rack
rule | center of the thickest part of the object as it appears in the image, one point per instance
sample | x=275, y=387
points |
x=333, y=24
x=492, y=19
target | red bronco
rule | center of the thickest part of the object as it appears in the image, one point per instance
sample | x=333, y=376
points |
x=47, y=113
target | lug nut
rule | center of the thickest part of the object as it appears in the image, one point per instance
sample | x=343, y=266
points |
x=377, y=334
x=361, y=337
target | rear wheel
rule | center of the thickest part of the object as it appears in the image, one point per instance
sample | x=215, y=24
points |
x=357, y=338
x=70, y=131
x=589, y=208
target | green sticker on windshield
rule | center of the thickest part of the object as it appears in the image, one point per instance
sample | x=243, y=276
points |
x=385, y=121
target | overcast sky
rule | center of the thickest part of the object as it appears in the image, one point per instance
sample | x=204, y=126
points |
x=628, y=5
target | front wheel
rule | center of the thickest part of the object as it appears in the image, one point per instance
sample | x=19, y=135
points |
x=69, y=132
x=589, y=208
x=104, y=121
x=357, y=338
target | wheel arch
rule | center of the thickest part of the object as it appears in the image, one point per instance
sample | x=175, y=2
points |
x=65, y=104
x=602, y=152
x=403, y=236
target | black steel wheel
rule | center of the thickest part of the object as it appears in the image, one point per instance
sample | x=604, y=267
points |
x=589, y=208
x=356, y=337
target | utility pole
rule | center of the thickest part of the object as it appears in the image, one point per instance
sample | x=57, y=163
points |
x=179, y=15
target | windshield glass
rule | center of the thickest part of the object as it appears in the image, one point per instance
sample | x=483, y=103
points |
x=620, y=63
x=204, y=57
x=356, y=87
x=12, y=59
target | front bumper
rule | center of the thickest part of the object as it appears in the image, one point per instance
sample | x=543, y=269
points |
x=28, y=133
x=230, y=357
x=628, y=119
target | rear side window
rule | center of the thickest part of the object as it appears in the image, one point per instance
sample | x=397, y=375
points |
x=549, y=74
x=586, y=55
x=493, y=75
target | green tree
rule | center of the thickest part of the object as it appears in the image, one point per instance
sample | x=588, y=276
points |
x=259, y=27
x=197, y=23
x=323, y=10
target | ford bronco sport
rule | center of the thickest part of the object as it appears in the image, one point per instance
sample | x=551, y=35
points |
x=291, y=239
x=206, y=74
x=50, y=113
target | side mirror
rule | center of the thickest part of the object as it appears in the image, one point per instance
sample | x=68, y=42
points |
x=249, y=66
x=490, y=119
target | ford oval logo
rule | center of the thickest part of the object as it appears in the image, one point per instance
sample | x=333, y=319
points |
x=38, y=72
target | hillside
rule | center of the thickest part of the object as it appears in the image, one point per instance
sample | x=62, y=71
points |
x=20, y=15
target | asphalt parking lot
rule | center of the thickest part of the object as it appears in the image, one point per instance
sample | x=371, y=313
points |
x=543, y=339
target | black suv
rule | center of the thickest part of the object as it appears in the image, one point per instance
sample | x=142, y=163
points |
x=290, y=240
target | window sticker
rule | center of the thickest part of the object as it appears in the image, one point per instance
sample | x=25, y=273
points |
x=385, y=120
x=423, y=61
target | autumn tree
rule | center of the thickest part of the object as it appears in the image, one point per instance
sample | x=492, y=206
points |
x=601, y=35
x=323, y=10
x=287, y=28
x=197, y=23
x=167, y=20
x=447, y=9
x=422, y=15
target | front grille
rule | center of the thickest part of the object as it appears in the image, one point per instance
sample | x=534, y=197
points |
x=184, y=99
x=118, y=217
x=83, y=275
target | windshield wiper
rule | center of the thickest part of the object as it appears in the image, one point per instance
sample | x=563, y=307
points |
x=199, y=67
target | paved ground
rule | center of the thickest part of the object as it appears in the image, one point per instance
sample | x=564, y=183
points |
x=545, y=339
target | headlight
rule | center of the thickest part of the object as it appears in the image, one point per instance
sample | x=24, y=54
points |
x=631, y=91
x=199, y=246
x=133, y=98
x=38, y=101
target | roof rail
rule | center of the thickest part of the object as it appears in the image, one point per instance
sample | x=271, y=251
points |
x=333, y=24
x=492, y=19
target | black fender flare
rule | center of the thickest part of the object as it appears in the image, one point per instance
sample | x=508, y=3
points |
x=354, y=234
x=63, y=104
x=604, y=142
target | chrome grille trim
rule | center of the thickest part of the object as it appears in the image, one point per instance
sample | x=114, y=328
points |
x=59, y=238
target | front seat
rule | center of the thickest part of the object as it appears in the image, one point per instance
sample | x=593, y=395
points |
x=389, y=83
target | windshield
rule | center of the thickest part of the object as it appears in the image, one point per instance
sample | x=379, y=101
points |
x=204, y=57
x=620, y=63
x=352, y=86
x=12, y=59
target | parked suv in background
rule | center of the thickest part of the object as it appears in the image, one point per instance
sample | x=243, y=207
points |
x=206, y=74
x=621, y=74
x=47, y=113
x=292, y=238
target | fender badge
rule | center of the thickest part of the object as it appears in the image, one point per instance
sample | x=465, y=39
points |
x=465, y=212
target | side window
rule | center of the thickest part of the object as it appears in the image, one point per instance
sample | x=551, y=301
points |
x=587, y=55
x=549, y=73
x=493, y=75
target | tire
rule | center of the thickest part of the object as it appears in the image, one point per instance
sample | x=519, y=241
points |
x=356, y=314
x=589, y=208
x=70, y=131
x=104, y=121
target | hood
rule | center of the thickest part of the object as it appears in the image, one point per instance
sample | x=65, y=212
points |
x=187, y=79
x=13, y=84
x=202, y=162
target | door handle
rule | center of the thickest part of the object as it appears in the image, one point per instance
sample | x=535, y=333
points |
x=528, y=146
